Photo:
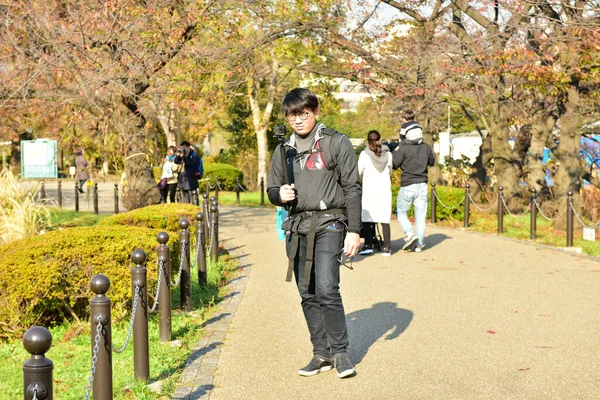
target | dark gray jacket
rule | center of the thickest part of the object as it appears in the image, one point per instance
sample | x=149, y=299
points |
x=317, y=187
x=413, y=158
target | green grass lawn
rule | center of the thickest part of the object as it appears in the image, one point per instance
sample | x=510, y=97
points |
x=247, y=199
x=60, y=218
x=518, y=227
x=71, y=346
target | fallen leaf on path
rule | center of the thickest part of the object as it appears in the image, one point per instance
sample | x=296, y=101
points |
x=523, y=369
x=544, y=347
x=491, y=332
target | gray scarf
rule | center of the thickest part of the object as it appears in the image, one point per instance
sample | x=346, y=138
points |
x=378, y=162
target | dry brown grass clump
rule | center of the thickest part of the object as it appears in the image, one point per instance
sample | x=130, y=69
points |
x=20, y=215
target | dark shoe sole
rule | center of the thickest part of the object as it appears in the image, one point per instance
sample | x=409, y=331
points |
x=315, y=372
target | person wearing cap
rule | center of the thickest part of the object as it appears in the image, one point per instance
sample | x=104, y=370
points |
x=413, y=157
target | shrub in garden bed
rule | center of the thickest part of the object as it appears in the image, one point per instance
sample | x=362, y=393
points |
x=225, y=173
x=45, y=279
x=451, y=196
x=160, y=216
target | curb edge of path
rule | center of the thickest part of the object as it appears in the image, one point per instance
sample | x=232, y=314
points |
x=196, y=380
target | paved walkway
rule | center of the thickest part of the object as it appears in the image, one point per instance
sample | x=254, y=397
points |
x=474, y=316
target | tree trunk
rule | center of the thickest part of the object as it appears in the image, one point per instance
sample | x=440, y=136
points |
x=139, y=186
x=507, y=173
x=477, y=178
x=540, y=132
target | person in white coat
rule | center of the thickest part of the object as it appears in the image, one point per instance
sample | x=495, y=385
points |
x=375, y=169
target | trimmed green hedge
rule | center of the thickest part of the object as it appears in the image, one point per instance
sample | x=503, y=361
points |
x=450, y=196
x=45, y=279
x=226, y=174
x=159, y=216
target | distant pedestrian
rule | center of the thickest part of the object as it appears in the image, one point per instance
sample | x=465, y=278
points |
x=375, y=169
x=413, y=157
x=170, y=172
x=82, y=174
x=189, y=175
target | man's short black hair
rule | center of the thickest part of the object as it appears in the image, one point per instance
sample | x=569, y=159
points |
x=185, y=143
x=408, y=115
x=298, y=100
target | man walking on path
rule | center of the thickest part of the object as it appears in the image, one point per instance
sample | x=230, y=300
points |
x=324, y=200
x=414, y=157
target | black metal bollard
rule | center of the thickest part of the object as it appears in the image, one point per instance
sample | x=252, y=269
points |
x=433, y=204
x=200, y=253
x=164, y=300
x=185, y=287
x=95, y=198
x=207, y=191
x=217, y=189
x=37, y=371
x=237, y=190
x=195, y=200
x=262, y=191
x=570, y=219
x=205, y=208
x=141, y=360
x=500, y=209
x=533, y=209
x=214, y=233
x=43, y=192
x=76, y=196
x=59, y=194
x=100, y=313
x=215, y=201
x=178, y=195
x=466, y=223
x=116, y=198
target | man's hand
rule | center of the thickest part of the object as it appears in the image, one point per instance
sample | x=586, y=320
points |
x=287, y=193
x=351, y=244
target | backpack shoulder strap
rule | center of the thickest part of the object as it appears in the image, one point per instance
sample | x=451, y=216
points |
x=331, y=140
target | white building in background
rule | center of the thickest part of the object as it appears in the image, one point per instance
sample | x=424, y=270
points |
x=458, y=145
x=351, y=94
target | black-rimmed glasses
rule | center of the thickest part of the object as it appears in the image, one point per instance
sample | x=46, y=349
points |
x=303, y=116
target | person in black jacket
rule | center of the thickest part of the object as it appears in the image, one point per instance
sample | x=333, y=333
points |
x=413, y=157
x=188, y=177
x=324, y=201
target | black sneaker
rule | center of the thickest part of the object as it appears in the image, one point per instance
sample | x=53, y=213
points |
x=366, y=250
x=343, y=366
x=316, y=365
x=409, y=241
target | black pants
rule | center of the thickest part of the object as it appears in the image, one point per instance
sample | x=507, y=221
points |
x=368, y=233
x=321, y=299
x=170, y=189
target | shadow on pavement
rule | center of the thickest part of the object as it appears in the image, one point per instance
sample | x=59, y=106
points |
x=367, y=326
x=430, y=241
